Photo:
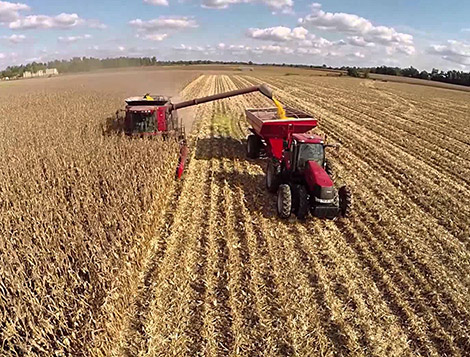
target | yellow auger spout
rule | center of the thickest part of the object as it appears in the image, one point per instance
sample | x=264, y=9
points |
x=280, y=110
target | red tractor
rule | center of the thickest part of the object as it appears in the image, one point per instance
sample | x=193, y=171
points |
x=297, y=168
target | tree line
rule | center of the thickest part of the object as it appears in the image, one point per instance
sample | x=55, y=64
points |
x=452, y=77
x=84, y=64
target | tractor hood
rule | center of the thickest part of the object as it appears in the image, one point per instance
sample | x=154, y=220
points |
x=315, y=175
x=318, y=182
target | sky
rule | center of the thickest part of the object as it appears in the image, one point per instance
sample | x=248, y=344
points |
x=419, y=33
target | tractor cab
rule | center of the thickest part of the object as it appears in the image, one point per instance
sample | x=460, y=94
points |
x=306, y=148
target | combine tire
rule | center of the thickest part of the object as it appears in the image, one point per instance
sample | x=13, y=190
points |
x=272, y=177
x=329, y=170
x=253, y=147
x=300, y=204
x=284, y=201
x=345, y=201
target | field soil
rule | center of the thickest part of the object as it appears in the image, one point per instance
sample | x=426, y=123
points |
x=220, y=274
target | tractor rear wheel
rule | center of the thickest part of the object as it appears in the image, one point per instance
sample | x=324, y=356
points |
x=300, y=203
x=284, y=201
x=345, y=201
x=253, y=147
x=272, y=177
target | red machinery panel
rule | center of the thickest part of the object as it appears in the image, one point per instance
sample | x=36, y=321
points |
x=161, y=119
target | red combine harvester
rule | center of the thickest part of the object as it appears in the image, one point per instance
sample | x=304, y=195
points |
x=156, y=115
x=297, y=167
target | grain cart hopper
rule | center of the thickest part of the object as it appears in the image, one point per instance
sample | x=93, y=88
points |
x=297, y=168
x=156, y=115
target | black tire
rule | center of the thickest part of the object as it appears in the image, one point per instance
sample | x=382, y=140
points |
x=284, y=201
x=345, y=201
x=300, y=204
x=329, y=170
x=253, y=147
x=273, y=179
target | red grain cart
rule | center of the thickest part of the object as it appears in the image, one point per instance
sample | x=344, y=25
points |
x=297, y=168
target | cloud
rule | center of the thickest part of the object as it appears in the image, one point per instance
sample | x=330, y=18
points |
x=363, y=30
x=298, y=36
x=239, y=50
x=318, y=42
x=15, y=39
x=358, y=55
x=72, y=39
x=359, y=42
x=11, y=11
x=272, y=49
x=453, y=51
x=279, y=33
x=466, y=29
x=157, y=2
x=163, y=22
x=280, y=5
x=153, y=36
x=95, y=24
x=183, y=47
x=62, y=21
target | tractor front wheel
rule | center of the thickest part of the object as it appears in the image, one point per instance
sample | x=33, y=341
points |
x=284, y=201
x=272, y=177
x=345, y=201
x=253, y=147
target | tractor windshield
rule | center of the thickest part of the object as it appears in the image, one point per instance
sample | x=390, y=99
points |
x=143, y=122
x=310, y=152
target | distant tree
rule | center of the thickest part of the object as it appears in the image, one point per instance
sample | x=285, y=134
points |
x=353, y=72
x=410, y=72
x=424, y=75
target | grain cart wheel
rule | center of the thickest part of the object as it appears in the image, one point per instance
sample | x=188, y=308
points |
x=253, y=147
x=300, y=204
x=345, y=201
x=273, y=179
x=329, y=170
x=284, y=201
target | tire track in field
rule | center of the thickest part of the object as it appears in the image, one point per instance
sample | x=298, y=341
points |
x=137, y=336
x=268, y=297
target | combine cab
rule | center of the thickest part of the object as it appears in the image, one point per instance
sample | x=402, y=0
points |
x=151, y=115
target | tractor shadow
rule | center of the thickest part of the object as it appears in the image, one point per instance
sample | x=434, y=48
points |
x=252, y=188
